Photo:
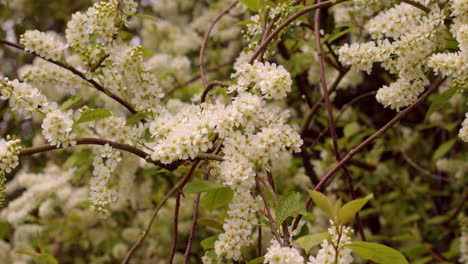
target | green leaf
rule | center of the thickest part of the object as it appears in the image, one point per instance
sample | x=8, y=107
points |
x=258, y=260
x=93, y=115
x=443, y=149
x=245, y=22
x=441, y=101
x=322, y=202
x=210, y=222
x=70, y=102
x=217, y=198
x=377, y=253
x=148, y=17
x=351, y=129
x=135, y=118
x=209, y=242
x=255, y=5
x=48, y=259
x=27, y=252
x=350, y=209
x=338, y=34
x=309, y=241
x=288, y=205
x=199, y=186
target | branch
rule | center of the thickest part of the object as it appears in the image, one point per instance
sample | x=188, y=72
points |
x=417, y=5
x=328, y=176
x=210, y=86
x=288, y=21
x=79, y=74
x=205, y=41
x=116, y=145
x=174, y=189
x=331, y=119
x=269, y=215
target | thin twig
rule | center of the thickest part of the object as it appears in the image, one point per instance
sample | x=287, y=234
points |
x=210, y=86
x=331, y=119
x=329, y=175
x=205, y=41
x=288, y=21
x=417, y=5
x=125, y=147
x=174, y=189
x=81, y=75
x=269, y=215
x=175, y=231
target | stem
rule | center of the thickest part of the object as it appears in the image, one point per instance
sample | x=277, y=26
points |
x=210, y=86
x=79, y=74
x=417, y=5
x=328, y=176
x=205, y=41
x=177, y=187
x=175, y=228
x=288, y=21
x=125, y=147
x=269, y=215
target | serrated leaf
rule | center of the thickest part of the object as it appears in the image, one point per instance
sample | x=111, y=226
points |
x=199, y=186
x=443, y=149
x=255, y=5
x=135, y=118
x=93, y=115
x=210, y=222
x=350, y=209
x=377, y=252
x=322, y=202
x=258, y=260
x=143, y=16
x=441, y=101
x=209, y=242
x=217, y=198
x=309, y=241
x=288, y=205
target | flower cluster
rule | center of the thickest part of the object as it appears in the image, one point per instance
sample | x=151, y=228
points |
x=38, y=188
x=335, y=250
x=238, y=227
x=9, y=150
x=404, y=37
x=104, y=164
x=276, y=254
x=463, y=134
x=46, y=45
x=273, y=81
x=23, y=96
x=114, y=128
x=57, y=128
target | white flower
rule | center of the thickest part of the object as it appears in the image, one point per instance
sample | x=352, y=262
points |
x=463, y=133
x=282, y=255
x=57, y=128
x=9, y=150
x=44, y=44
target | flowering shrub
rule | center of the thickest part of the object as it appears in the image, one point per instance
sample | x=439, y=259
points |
x=242, y=131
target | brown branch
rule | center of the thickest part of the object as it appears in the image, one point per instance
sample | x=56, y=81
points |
x=99, y=63
x=79, y=74
x=205, y=41
x=331, y=119
x=329, y=175
x=417, y=5
x=288, y=21
x=175, y=231
x=116, y=145
x=210, y=86
x=174, y=189
x=269, y=215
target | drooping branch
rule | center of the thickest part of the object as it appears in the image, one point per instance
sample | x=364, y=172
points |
x=116, y=145
x=174, y=189
x=210, y=86
x=80, y=74
x=205, y=41
x=329, y=175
